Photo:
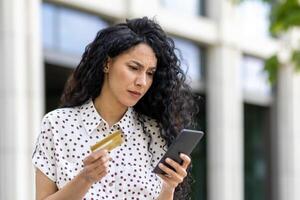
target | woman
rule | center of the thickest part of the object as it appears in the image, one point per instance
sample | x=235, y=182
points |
x=129, y=79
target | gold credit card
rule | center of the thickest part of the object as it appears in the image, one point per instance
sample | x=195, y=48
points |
x=109, y=142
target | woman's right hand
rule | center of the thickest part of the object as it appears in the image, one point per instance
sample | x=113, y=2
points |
x=95, y=166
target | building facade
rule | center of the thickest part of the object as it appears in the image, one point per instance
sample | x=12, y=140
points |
x=250, y=150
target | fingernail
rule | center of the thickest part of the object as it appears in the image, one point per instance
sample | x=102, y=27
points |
x=168, y=160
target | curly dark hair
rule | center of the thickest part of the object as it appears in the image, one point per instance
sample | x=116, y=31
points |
x=169, y=100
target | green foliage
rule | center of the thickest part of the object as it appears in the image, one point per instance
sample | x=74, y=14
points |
x=271, y=67
x=296, y=60
x=267, y=1
x=284, y=15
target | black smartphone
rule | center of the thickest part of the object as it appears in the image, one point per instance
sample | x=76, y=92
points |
x=185, y=142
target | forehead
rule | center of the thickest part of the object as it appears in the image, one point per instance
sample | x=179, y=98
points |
x=142, y=53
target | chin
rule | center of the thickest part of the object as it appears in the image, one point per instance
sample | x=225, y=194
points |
x=129, y=103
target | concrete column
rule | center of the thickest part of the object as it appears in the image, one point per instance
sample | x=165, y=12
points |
x=225, y=107
x=225, y=133
x=21, y=95
x=288, y=135
x=286, y=146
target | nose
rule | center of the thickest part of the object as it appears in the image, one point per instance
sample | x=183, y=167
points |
x=141, y=80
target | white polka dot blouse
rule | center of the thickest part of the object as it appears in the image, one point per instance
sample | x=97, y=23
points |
x=65, y=139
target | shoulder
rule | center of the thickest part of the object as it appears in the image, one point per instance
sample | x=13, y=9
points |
x=60, y=114
x=153, y=127
x=150, y=123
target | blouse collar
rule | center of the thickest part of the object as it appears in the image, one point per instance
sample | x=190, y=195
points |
x=91, y=119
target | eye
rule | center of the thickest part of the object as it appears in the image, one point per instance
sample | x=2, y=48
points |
x=133, y=67
x=151, y=73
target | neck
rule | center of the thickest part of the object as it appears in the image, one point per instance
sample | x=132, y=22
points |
x=110, y=111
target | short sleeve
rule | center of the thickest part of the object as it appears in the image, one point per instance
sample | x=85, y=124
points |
x=43, y=156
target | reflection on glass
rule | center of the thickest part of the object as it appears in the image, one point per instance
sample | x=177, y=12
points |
x=77, y=29
x=254, y=16
x=67, y=30
x=186, y=7
x=257, y=156
x=254, y=78
x=191, y=58
x=199, y=157
x=48, y=17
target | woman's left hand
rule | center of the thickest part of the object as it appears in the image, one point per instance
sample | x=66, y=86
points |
x=174, y=177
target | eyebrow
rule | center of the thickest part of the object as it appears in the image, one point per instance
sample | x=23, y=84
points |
x=140, y=65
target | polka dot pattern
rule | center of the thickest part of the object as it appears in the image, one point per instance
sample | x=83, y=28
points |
x=65, y=139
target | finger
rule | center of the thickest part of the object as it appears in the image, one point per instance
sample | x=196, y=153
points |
x=94, y=171
x=178, y=168
x=168, y=180
x=103, y=172
x=94, y=156
x=94, y=174
x=100, y=164
x=186, y=160
x=173, y=164
x=170, y=172
x=102, y=167
x=104, y=159
x=165, y=178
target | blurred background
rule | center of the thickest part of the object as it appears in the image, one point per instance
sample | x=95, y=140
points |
x=251, y=150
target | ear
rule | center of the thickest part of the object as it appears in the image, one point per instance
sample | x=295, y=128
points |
x=107, y=65
x=110, y=61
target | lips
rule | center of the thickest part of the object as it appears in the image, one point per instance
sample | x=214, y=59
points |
x=134, y=93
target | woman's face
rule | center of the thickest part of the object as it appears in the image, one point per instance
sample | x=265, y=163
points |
x=130, y=75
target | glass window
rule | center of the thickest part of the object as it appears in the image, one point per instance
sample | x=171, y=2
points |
x=254, y=78
x=67, y=30
x=48, y=16
x=187, y=7
x=257, y=152
x=254, y=18
x=77, y=29
x=55, y=78
x=192, y=58
x=199, y=158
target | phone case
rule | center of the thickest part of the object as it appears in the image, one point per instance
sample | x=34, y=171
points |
x=184, y=143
